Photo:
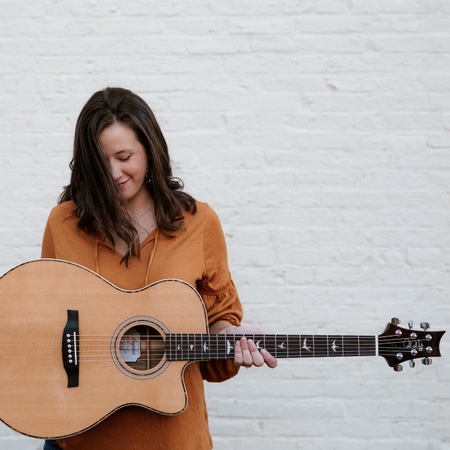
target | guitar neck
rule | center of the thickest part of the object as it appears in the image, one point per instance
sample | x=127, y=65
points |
x=201, y=347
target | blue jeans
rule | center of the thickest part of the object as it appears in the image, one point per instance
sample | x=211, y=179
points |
x=51, y=445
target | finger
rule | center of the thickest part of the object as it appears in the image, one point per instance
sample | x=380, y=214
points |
x=269, y=359
x=248, y=360
x=258, y=359
x=238, y=356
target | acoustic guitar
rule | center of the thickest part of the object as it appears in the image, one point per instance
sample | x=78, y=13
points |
x=74, y=348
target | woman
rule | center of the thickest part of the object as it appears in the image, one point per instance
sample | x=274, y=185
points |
x=125, y=216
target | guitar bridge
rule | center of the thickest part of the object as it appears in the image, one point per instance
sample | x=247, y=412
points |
x=70, y=348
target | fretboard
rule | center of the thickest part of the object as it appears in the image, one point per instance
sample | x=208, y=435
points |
x=198, y=347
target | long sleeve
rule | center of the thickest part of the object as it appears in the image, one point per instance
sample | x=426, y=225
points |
x=219, y=294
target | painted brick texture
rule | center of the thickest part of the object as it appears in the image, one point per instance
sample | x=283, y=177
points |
x=320, y=133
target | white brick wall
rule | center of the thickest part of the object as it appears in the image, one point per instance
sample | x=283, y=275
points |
x=319, y=131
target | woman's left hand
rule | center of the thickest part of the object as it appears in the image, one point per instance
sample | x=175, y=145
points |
x=245, y=351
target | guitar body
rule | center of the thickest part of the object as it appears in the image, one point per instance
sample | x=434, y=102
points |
x=34, y=301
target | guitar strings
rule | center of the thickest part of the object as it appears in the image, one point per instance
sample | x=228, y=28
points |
x=320, y=347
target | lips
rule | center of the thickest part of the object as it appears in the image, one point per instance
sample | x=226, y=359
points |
x=122, y=185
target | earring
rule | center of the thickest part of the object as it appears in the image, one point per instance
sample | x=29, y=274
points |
x=148, y=178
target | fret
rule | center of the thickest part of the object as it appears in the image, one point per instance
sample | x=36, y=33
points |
x=184, y=347
x=189, y=347
x=281, y=345
x=307, y=346
x=320, y=346
x=197, y=341
x=294, y=346
x=204, y=347
x=222, y=341
x=351, y=346
x=258, y=339
x=230, y=343
x=270, y=344
x=335, y=346
x=211, y=347
x=179, y=348
x=367, y=346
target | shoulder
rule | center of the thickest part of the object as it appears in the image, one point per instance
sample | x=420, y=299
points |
x=62, y=214
x=205, y=216
x=63, y=211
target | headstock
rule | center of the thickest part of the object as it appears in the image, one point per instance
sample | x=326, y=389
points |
x=397, y=344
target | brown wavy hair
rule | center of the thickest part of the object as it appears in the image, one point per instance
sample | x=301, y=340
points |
x=99, y=203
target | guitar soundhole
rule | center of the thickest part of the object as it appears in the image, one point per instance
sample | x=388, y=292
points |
x=142, y=348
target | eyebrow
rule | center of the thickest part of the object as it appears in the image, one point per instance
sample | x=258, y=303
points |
x=124, y=150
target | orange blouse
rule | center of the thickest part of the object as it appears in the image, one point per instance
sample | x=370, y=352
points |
x=196, y=254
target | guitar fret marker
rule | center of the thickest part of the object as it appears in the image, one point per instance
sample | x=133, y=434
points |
x=308, y=349
x=334, y=346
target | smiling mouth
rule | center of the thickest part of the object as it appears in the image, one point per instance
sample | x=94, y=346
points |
x=122, y=185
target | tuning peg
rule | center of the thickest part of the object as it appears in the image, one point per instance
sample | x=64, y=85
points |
x=412, y=364
x=425, y=326
x=398, y=368
x=395, y=321
x=410, y=324
x=426, y=361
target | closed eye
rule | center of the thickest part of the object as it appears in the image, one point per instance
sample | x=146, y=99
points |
x=125, y=159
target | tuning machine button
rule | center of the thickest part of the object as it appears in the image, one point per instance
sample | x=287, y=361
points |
x=398, y=368
x=395, y=321
x=426, y=361
x=425, y=326
x=412, y=364
x=410, y=324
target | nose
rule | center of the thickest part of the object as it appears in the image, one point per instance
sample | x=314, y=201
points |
x=115, y=170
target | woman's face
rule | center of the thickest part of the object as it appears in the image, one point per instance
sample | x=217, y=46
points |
x=128, y=162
